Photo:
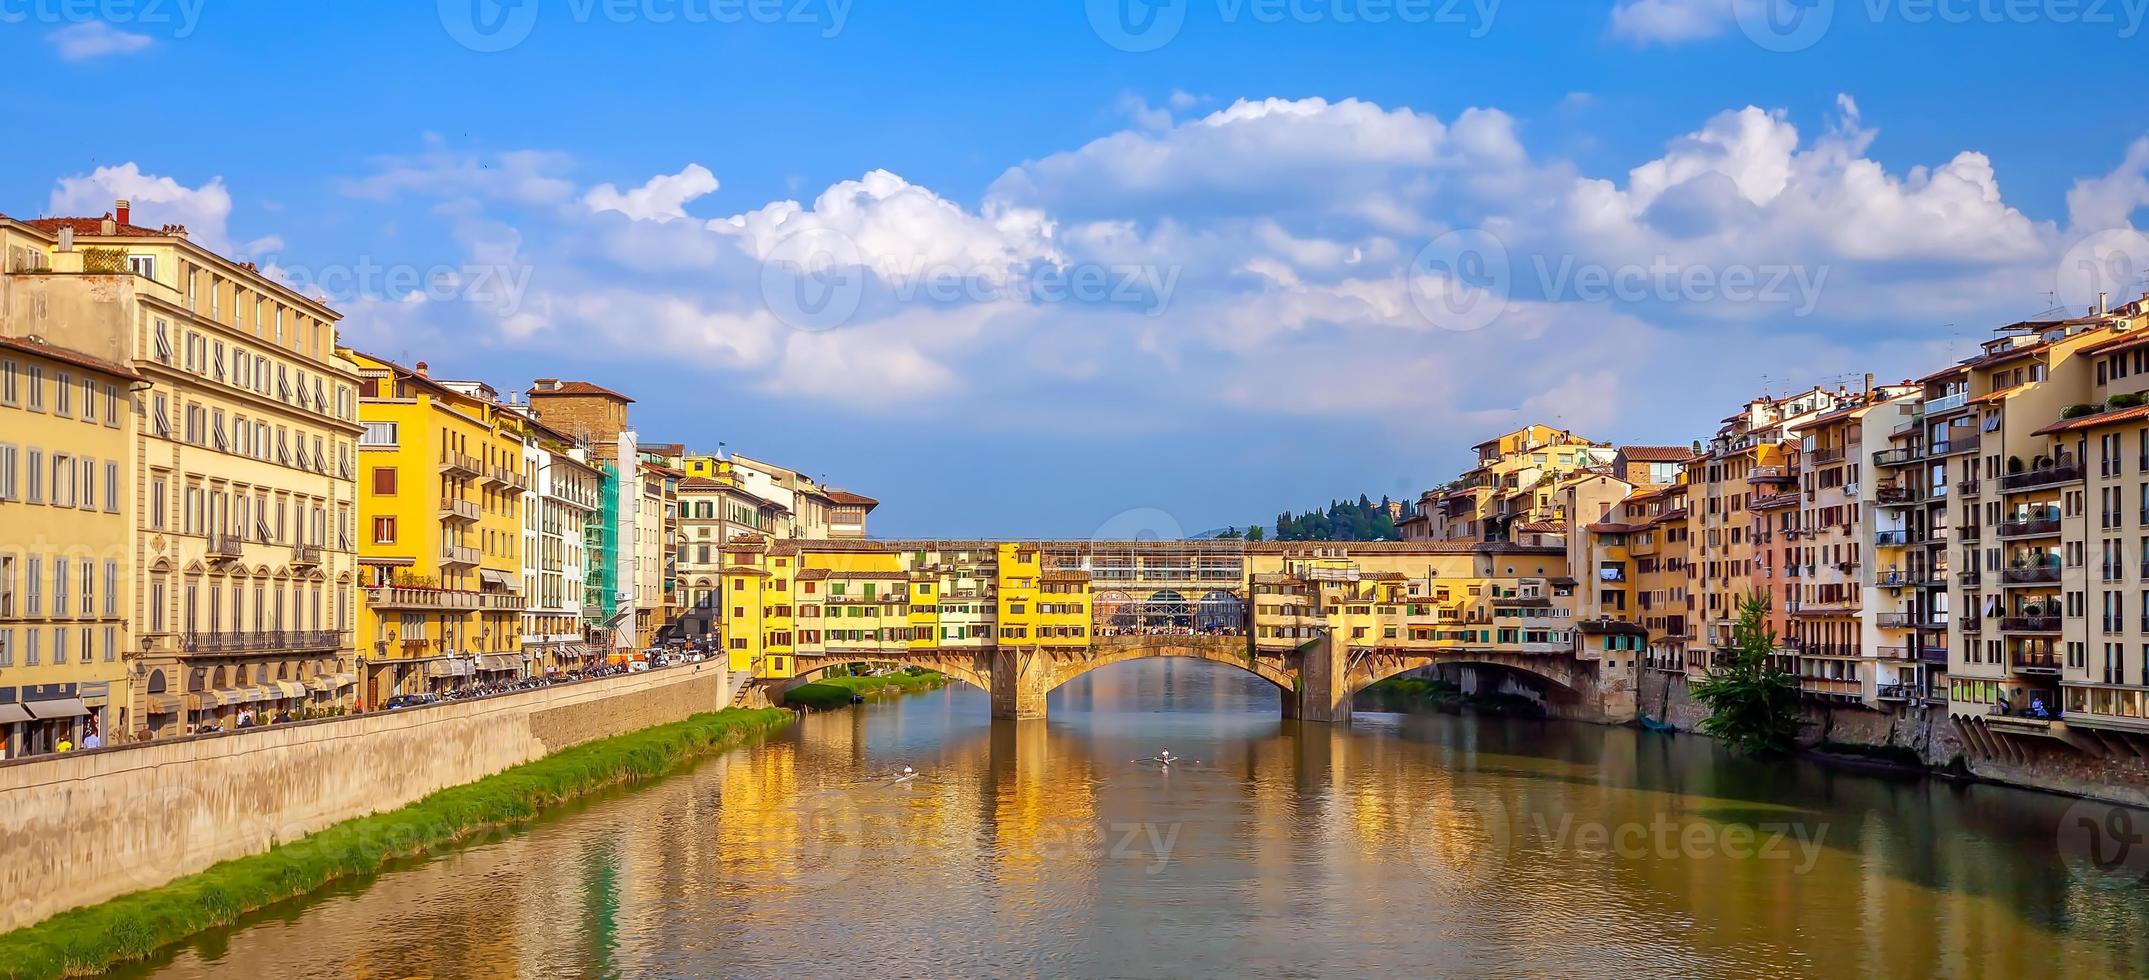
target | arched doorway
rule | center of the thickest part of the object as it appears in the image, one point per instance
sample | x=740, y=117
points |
x=1167, y=610
x=1113, y=612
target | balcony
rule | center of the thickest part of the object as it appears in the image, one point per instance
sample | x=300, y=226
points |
x=1895, y=579
x=1946, y=403
x=2029, y=624
x=455, y=554
x=2033, y=661
x=1890, y=539
x=458, y=509
x=2047, y=574
x=453, y=463
x=306, y=556
x=1965, y=443
x=501, y=602
x=225, y=547
x=1769, y=474
x=411, y=597
x=1892, y=620
x=262, y=641
x=2053, y=475
x=1973, y=624
x=1893, y=457
x=1895, y=495
x=2030, y=527
x=1934, y=655
x=1968, y=488
x=1822, y=457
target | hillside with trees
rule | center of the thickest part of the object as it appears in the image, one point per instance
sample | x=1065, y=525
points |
x=1365, y=520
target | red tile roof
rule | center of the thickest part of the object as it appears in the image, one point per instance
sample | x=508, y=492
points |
x=2095, y=419
x=554, y=386
x=1657, y=454
x=95, y=226
x=851, y=499
x=37, y=346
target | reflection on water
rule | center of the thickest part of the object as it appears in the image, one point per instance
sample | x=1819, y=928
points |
x=1403, y=845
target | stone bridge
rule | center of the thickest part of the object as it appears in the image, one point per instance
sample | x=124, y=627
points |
x=1315, y=680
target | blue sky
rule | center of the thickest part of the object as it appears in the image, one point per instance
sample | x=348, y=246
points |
x=1285, y=255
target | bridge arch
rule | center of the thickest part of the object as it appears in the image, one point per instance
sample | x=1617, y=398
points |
x=1229, y=651
x=1166, y=609
x=955, y=667
x=1560, y=678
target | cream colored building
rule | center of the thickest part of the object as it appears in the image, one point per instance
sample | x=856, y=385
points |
x=242, y=474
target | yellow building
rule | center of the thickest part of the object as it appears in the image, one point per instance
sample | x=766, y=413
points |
x=1515, y=482
x=66, y=547
x=442, y=478
x=241, y=473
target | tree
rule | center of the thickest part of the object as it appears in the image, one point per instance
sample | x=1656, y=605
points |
x=1229, y=534
x=1753, y=704
x=1255, y=533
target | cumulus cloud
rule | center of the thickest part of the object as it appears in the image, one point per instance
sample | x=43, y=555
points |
x=662, y=198
x=156, y=200
x=94, y=39
x=1283, y=258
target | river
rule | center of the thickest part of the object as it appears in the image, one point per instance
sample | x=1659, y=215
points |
x=1396, y=845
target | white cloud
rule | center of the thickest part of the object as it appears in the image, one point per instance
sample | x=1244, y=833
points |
x=156, y=201
x=94, y=39
x=661, y=198
x=1671, y=21
x=527, y=177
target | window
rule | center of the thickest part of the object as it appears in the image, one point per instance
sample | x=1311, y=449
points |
x=89, y=399
x=384, y=530
x=10, y=471
x=89, y=588
x=9, y=384
x=36, y=470
x=142, y=265
x=384, y=481
x=36, y=377
x=111, y=405
x=63, y=401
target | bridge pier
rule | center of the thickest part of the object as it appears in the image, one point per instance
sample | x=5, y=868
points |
x=1323, y=693
x=1020, y=681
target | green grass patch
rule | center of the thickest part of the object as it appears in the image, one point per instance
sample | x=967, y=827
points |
x=133, y=927
x=835, y=692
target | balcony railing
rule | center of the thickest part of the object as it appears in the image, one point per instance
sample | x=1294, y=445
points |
x=2034, y=661
x=1832, y=454
x=1895, y=457
x=1968, y=488
x=1894, y=493
x=1769, y=474
x=1946, y=403
x=453, y=463
x=456, y=508
x=225, y=546
x=306, y=555
x=2030, y=527
x=501, y=601
x=1933, y=655
x=262, y=641
x=1890, y=539
x=2029, y=624
x=1971, y=577
x=1965, y=443
x=1892, y=620
x=410, y=597
x=453, y=554
x=2047, y=476
x=2031, y=575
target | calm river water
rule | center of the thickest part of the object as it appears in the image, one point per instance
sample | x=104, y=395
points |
x=1397, y=845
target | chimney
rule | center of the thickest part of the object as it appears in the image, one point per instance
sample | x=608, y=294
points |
x=421, y=370
x=120, y=210
x=1869, y=382
x=107, y=226
x=2103, y=300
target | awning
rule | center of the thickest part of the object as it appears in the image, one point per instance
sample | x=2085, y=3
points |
x=291, y=689
x=499, y=580
x=500, y=661
x=161, y=704
x=57, y=708
x=449, y=667
x=10, y=713
x=245, y=695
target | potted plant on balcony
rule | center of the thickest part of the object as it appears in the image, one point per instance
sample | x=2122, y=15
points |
x=2014, y=464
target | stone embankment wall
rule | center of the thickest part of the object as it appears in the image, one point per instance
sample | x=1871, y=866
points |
x=81, y=828
x=2045, y=765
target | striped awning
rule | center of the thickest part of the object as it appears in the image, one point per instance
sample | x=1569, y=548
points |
x=161, y=704
x=290, y=689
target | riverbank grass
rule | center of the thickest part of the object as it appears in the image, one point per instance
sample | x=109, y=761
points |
x=133, y=927
x=835, y=692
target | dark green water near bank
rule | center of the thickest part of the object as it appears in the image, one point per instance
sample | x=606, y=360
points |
x=1416, y=845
